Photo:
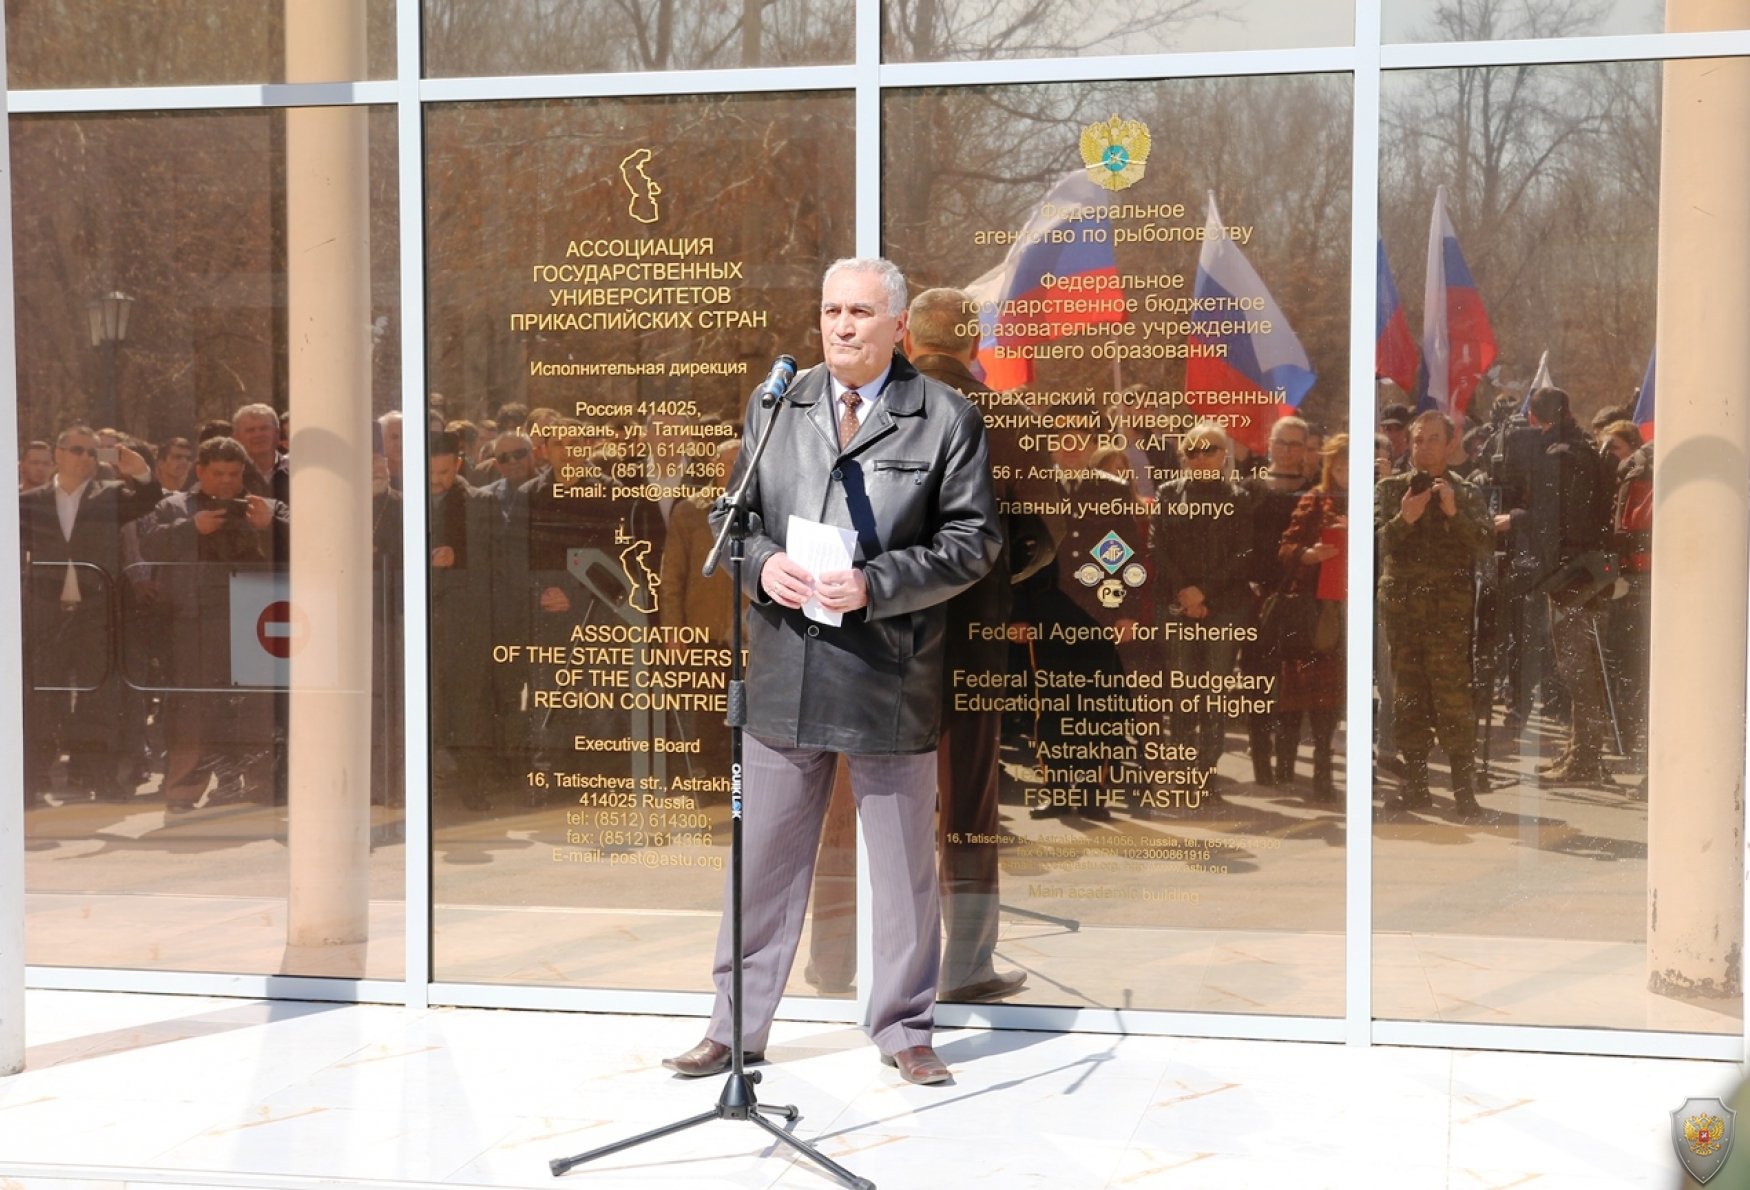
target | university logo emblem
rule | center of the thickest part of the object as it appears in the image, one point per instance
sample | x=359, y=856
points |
x=643, y=189
x=1701, y=1131
x=1135, y=575
x=1088, y=575
x=1115, y=152
x=1112, y=552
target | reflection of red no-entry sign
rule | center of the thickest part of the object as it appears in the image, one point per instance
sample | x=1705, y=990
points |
x=282, y=628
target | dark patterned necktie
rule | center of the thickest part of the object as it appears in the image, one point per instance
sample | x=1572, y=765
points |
x=848, y=423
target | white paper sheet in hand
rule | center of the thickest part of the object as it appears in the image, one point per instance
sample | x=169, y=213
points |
x=819, y=549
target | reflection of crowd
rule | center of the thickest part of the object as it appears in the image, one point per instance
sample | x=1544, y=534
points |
x=1522, y=556
x=128, y=554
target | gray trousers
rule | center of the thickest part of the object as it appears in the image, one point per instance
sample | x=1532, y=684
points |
x=784, y=803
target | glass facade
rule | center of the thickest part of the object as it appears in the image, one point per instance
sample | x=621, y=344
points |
x=120, y=43
x=171, y=657
x=580, y=764
x=1128, y=825
x=493, y=37
x=957, y=31
x=1155, y=283
x=1487, y=20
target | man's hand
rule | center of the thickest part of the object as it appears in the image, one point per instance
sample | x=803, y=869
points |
x=130, y=463
x=1503, y=522
x=1414, y=504
x=843, y=591
x=443, y=557
x=1313, y=555
x=553, y=599
x=260, y=513
x=786, y=582
x=1448, y=497
x=209, y=520
x=1191, y=602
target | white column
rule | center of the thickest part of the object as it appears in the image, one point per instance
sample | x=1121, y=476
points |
x=1695, y=845
x=11, y=647
x=329, y=315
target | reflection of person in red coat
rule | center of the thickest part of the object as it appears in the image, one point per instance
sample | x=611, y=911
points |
x=1315, y=546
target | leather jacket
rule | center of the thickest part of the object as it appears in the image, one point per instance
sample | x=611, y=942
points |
x=915, y=487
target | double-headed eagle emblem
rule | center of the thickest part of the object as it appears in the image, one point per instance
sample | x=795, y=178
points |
x=1115, y=152
x=1701, y=1132
x=1704, y=1134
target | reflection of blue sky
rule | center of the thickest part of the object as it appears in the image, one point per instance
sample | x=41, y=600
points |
x=1408, y=20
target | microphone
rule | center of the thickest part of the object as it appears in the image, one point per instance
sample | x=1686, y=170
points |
x=778, y=382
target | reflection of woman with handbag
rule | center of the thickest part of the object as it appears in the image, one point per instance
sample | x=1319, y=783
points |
x=1314, y=554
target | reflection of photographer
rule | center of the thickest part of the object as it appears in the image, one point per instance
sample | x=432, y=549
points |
x=1558, y=498
x=209, y=727
x=1432, y=527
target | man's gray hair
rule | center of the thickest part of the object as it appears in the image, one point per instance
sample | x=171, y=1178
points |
x=1290, y=423
x=257, y=410
x=892, y=280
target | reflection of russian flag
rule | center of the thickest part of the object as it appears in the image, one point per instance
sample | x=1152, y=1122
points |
x=1644, y=403
x=1458, y=344
x=1053, y=247
x=1394, y=351
x=1231, y=298
x=1539, y=379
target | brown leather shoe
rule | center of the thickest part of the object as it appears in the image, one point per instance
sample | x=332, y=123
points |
x=919, y=1065
x=1000, y=984
x=707, y=1058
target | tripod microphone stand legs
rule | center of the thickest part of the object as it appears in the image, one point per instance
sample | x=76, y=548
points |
x=737, y=1102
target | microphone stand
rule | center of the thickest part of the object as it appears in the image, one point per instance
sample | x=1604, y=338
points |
x=737, y=1102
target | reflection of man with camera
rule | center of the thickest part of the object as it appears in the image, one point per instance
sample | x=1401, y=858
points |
x=1558, y=494
x=216, y=522
x=1432, y=527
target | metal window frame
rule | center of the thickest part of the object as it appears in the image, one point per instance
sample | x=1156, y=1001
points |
x=1367, y=60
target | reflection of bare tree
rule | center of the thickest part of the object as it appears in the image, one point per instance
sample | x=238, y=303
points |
x=945, y=30
x=183, y=212
x=1552, y=175
x=132, y=43
x=492, y=37
x=1491, y=20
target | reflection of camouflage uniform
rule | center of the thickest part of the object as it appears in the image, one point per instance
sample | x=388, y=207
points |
x=1426, y=593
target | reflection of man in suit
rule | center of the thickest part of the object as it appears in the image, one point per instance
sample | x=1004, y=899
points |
x=269, y=472
x=900, y=460
x=940, y=340
x=70, y=531
x=692, y=600
x=1081, y=590
x=464, y=523
x=513, y=459
x=36, y=466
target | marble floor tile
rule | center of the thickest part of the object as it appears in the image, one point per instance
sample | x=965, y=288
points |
x=337, y=1142
x=130, y=1092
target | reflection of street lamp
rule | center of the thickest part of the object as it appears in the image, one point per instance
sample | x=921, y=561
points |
x=108, y=316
